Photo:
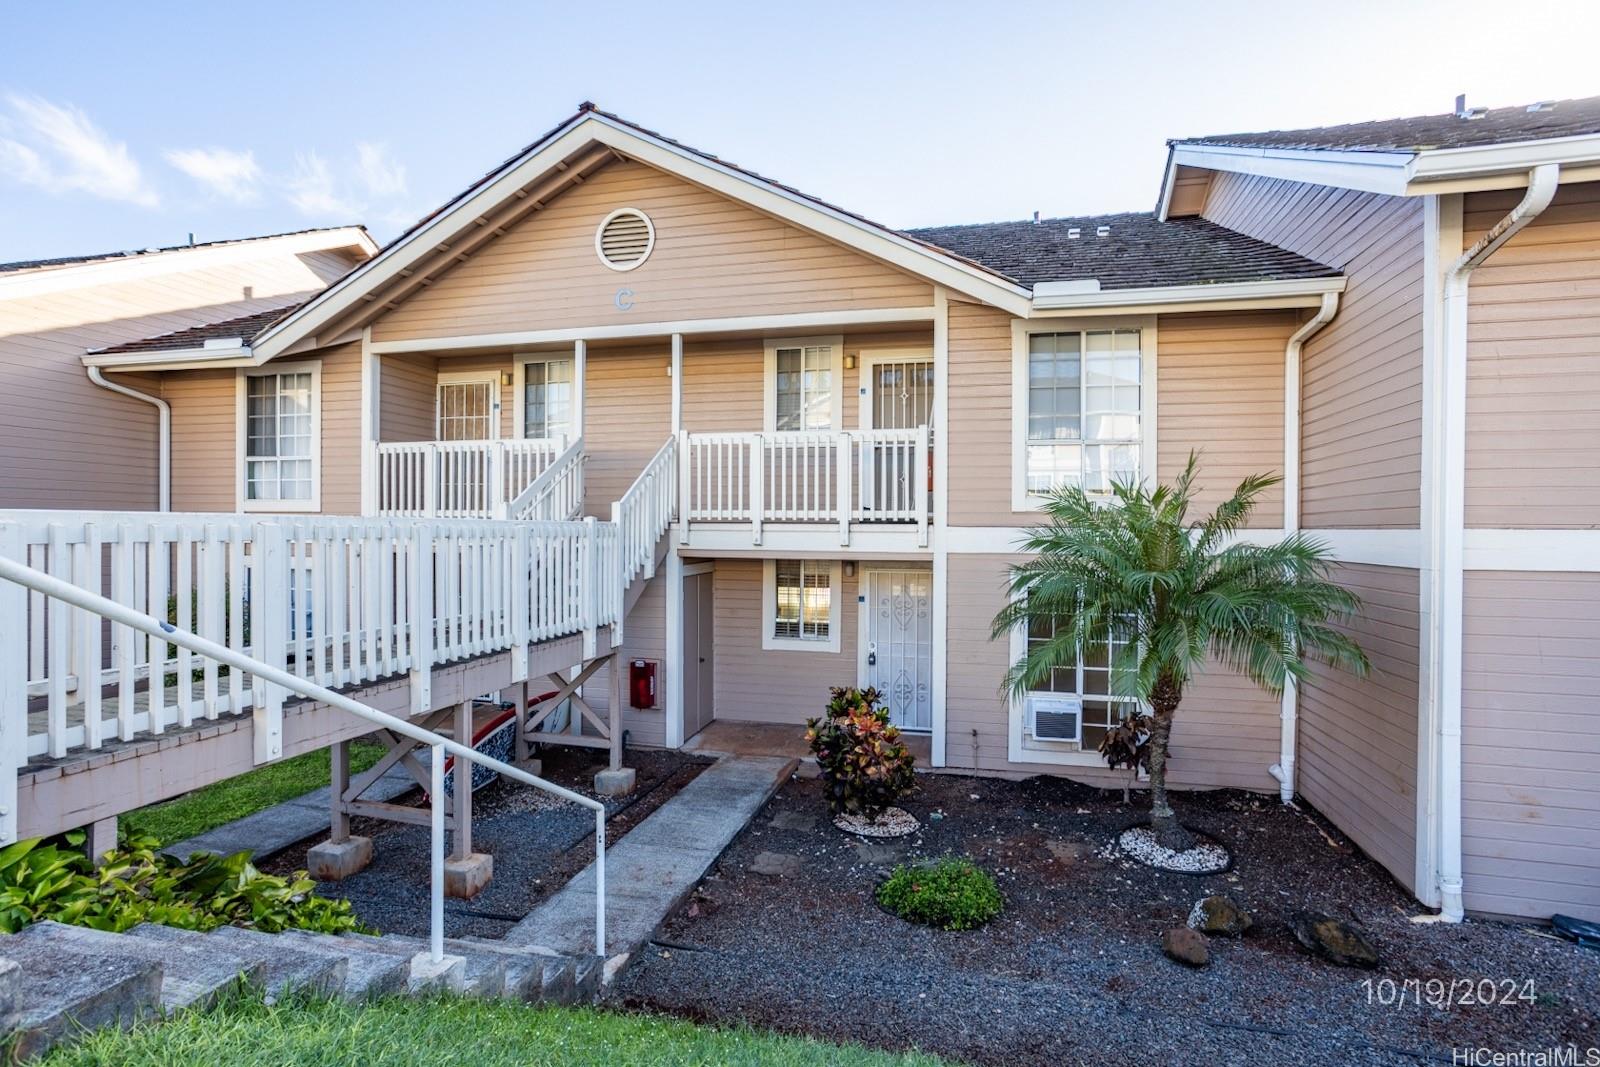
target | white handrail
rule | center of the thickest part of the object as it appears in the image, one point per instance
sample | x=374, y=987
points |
x=56, y=589
x=557, y=493
x=457, y=479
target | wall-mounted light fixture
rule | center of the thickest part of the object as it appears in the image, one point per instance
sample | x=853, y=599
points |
x=850, y=361
x=849, y=568
x=507, y=377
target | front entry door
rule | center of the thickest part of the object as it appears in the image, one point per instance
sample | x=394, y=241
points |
x=698, y=667
x=897, y=644
x=466, y=410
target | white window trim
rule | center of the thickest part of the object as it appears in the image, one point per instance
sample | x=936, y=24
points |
x=1021, y=331
x=1022, y=748
x=769, y=612
x=519, y=385
x=241, y=434
x=463, y=377
x=871, y=357
x=769, y=379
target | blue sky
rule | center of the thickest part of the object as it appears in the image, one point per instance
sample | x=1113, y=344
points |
x=132, y=125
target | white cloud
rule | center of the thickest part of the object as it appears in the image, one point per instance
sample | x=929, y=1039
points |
x=59, y=149
x=313, y=190
x=228, y=174
x=383, y=176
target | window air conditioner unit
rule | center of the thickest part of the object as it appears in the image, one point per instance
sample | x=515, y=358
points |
x=1053, y=717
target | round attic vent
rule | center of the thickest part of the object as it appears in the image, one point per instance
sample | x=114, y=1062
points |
x=625, y=238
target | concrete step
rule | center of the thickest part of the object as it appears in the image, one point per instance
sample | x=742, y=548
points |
x=483, y=973
x=423, y=975
x=368, y=973
x=189, y=976
x=285, y=969
x=65, y=992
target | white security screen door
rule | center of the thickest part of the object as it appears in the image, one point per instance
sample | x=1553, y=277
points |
x=467, y=410
x=896, y=394
x=897, y=644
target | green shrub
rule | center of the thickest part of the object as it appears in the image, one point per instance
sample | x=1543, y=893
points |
x=865, y=766
x=136, y=884
x=952, y=894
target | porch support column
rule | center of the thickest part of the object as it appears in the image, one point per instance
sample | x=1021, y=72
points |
x=371, y=415
x=677, y=382
x=939, y=535
x=616, y=780
x=580, y=374
x=466, y=872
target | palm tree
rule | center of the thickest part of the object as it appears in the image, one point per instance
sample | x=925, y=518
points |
x=1176, y=594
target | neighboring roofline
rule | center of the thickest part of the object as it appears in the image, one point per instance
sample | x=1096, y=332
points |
x=1393, y=173
x=588, y=127
x=28, y=283
x=1283, y=292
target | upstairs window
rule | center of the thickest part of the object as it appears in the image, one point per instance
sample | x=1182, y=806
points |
x=804, y=384
x=280, y=438
x=1084, y=410
x=547, y=398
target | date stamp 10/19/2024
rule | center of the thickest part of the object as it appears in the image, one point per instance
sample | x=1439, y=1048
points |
x=1445, y=994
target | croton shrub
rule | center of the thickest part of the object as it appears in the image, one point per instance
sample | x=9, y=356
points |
x=865, y=766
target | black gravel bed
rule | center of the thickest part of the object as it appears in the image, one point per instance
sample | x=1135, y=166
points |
x=538, y=843
x=1073, y=971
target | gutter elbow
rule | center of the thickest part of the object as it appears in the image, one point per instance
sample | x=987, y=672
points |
x=164, y=431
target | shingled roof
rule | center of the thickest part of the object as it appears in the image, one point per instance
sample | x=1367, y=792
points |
x=135, y=253
x=244, y=327
x=1501, y=125
x=1139, y=251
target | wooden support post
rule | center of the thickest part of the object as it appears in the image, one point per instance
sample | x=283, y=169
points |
x=522, y=722
x=100, y=838
x=461, y=840
x=618, y=691
x=339, y=782
x=270, y=572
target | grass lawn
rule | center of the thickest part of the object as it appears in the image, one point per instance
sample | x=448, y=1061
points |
x=447, y=1032
x=234, y=798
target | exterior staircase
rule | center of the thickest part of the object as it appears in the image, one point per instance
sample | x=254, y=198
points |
x=57, y=981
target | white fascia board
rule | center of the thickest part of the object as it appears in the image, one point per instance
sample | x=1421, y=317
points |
x=202, y=257
x=1295, y=292
x=1168, y=176
x=590, y=128
x=173, y=358
x=1519, y=158
x=1373, y=172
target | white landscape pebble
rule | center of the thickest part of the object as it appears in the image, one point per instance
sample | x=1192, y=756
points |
x=1205, y=858
x=896, y=822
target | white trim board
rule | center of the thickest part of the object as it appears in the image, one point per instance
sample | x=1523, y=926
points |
x=1377, y=548
x=1571, y=551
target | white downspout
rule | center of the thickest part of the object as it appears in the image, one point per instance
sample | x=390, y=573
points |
x=164, y=432
x=1283, y=770
x=1451, y=503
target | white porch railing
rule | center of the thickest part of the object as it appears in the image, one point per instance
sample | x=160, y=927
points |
x=334, y=601
x=644, y=513
x=65, y=598
x=557, y=493
x=458, y=479
x=853, y=476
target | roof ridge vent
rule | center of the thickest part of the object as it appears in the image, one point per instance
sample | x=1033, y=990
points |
x=1465, y=112
x=1102, y=231
x=1073, y=233
x=1542, y=105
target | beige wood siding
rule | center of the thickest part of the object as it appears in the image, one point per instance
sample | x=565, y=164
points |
x=1531, y=744
x=627, y=417
x=65, y=442
x=1357, y=760
x=778, y=686
x=205, y=434
x=1220, y=389
x=1221, y=395
x=643, y=637
x=1225, y=734
x=406, y=398
x=713, y=257
x=1361, y=408
x=1533, y=366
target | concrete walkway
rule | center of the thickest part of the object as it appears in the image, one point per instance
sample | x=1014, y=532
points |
x=651, y=871
x=271, y=830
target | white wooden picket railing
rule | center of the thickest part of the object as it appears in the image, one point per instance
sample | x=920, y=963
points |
x=63, y=598
x=335, y=601
x=853, y=476
x=557, y=493
x=458, y=479
x=645, y=511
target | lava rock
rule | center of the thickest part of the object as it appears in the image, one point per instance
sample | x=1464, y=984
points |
x=1217, y=916
x=1186, y=946
x=1335, y=941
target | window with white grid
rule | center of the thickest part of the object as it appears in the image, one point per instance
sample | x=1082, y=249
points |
x=804, y=388
x=1084, y=409
x=547, y=398
x=280, y=426
x=1087, y=675
x=800, y=601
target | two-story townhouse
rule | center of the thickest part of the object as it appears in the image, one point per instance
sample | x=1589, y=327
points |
x=844, y=429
